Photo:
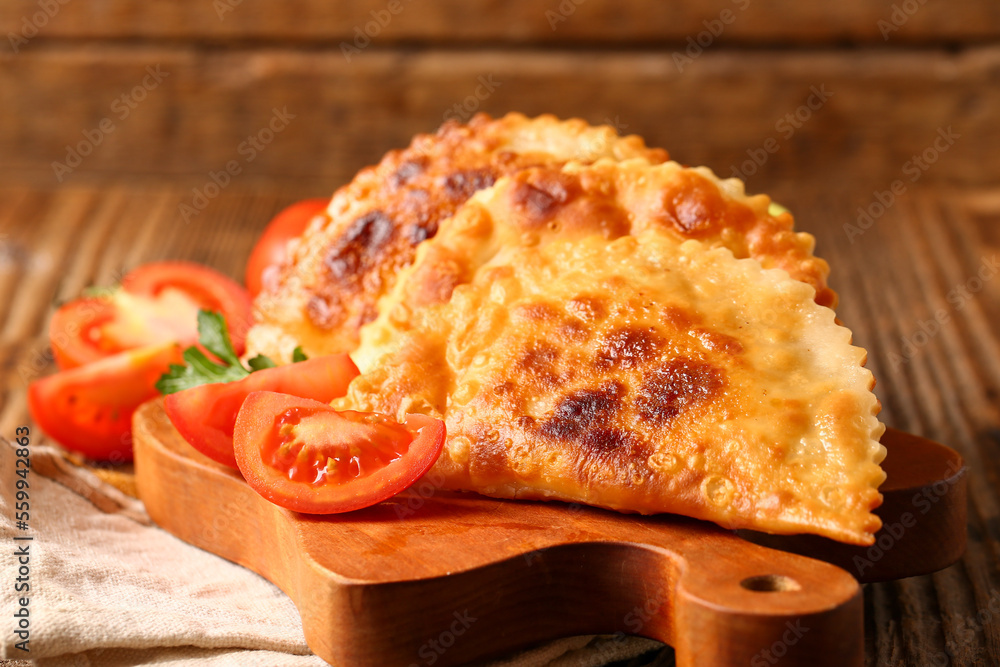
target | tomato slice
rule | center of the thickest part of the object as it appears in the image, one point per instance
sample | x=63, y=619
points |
x=272, y=247
x=75, y=332
x=208, y=288
x=89, y=409
x=206, y=415
x=305, y=456
x=157, y=303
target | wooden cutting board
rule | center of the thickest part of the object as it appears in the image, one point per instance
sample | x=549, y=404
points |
x=433, y=577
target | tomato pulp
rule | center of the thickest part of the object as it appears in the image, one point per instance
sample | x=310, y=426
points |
x=305, y=456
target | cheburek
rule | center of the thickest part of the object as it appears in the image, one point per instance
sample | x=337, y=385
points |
x=609, y=198
x=645, y=374
x=349, y=258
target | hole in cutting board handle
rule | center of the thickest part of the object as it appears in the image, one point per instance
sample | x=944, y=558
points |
x=770, y=583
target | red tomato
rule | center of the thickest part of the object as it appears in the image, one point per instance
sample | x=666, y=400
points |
x=305, y=456
x=157, y=303
x=75, y=332
x=89, y=409
x=206, y=415
x=272, y=247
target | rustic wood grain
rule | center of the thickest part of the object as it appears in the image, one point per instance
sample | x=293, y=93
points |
x=884, y=107
x=608, y=61
x=898, y=273
x=515, y=22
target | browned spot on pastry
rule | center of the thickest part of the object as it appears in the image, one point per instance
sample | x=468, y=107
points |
x=598, y=215
x=681, y=318
x=407, y=171
x=489, y=456
x=437, y=281
x=541, y=312
x=461, y=185
x=539, y=193
x=360, y=245
x=615, y=443
x=368, y=313
x=626, y=348
x=416, y=189
x=538, y=362
x=322, y=312
x=675, y=386
x=418, y=233
x=695, y=208
x=587, y=308
x=580, y=410
x=694, y=205
x=573, y=331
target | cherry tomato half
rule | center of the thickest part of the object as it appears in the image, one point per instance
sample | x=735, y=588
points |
x=89, y=409
x=157, y=303
x=206, y=415
x=272, y=248
x=305, y=456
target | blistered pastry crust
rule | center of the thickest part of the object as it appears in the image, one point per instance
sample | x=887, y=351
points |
x=649, y=375
x=349, y=258
x=611, y=199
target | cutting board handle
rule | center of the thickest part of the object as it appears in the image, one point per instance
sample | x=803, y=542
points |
x=759, y=609
x=718, y=600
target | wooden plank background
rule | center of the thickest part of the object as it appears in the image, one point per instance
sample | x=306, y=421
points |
x=881, y=109
x=929, y=251
x=587, y=22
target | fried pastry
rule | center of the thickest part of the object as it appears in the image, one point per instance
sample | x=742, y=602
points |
x=608, y=198
x=594, y=324
x=645, y=374
x=349, y=258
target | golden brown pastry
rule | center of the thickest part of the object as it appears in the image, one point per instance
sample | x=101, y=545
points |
x=594, y=324
x=349, y=259
x=608, y=198
x=645, y=374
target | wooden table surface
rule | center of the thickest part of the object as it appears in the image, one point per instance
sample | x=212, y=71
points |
x=916, y=275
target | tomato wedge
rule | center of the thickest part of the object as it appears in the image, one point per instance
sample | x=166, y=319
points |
x=206, y=415
x=89, y=409
x=75, y=332
x=272, y=247
x=305, y=456
x=157, y=303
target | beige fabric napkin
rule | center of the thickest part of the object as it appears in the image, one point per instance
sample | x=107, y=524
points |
x=109, y=589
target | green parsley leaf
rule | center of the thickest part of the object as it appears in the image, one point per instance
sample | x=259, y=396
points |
x=199, y=369
x=260, y=362
x=95, y=292
x=298, y=355
x=214, y=335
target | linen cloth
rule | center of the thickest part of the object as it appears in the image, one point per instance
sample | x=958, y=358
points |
x=109, y=589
